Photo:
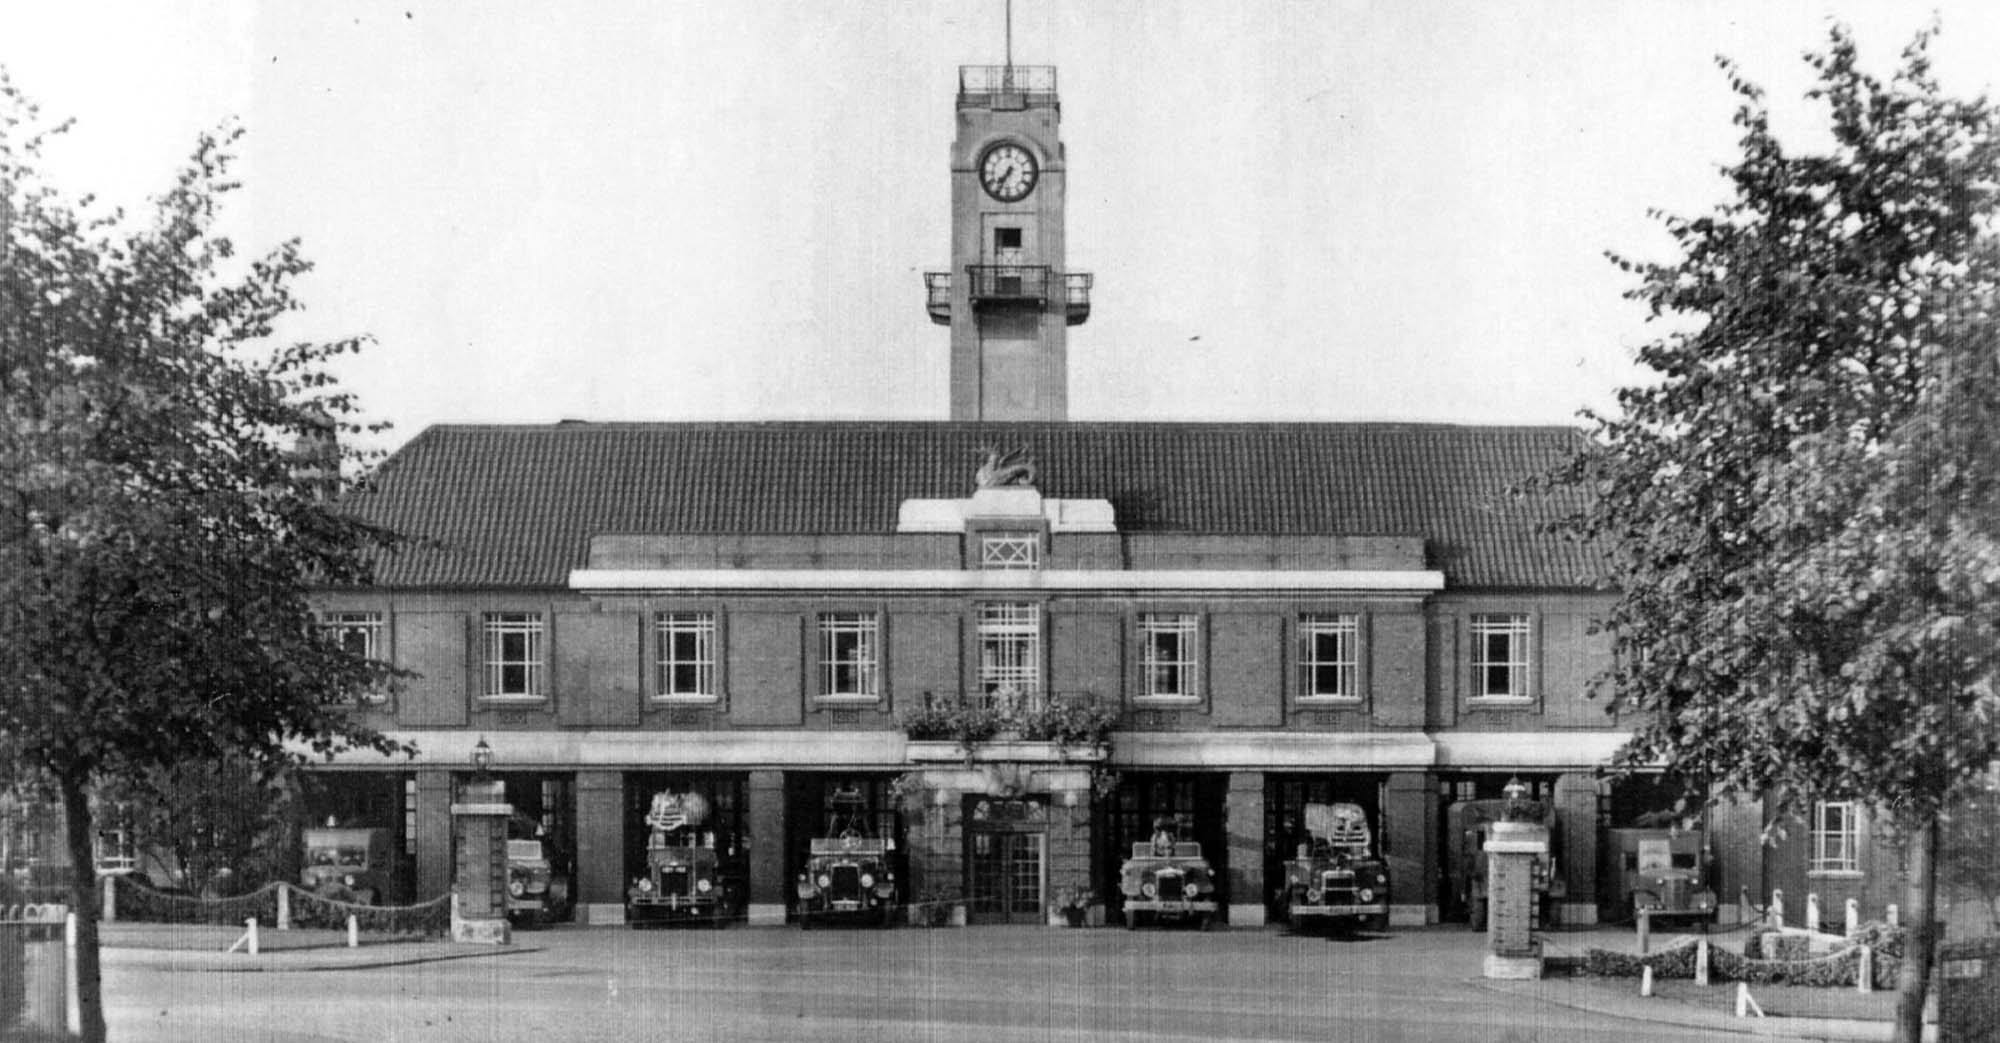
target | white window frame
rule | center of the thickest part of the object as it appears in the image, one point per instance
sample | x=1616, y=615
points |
x=668, y=628
x=370, y=626
x=1518, y=627
x=532, y=661
x=1345, y=629
x=1834, y=849
x=1157, y=666
x=1010, y=654
x=863, y=657
x=1010, y=550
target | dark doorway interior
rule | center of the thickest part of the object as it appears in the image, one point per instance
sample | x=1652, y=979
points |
x=1285, y=800
x=818, y=804
x=725, y=830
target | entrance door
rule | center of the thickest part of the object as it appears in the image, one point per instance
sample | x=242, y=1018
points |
x=1006, y=860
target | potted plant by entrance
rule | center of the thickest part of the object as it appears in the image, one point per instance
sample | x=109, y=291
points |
x=1075, y=906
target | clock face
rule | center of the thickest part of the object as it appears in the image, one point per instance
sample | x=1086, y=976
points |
x=1008, y=172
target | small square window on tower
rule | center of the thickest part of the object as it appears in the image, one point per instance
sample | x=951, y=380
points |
x=1006, y=239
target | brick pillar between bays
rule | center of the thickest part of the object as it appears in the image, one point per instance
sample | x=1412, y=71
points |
x=600, y=846
x=1576, y=846
x=767, y=848
x=433, y=839
x=1244, y=814
x=1409, y=832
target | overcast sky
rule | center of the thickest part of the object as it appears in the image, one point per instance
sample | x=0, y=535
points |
x=672, y=210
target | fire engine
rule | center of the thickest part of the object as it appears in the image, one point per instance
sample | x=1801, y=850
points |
x=1664, y=872
x=1167, y=880
x=847, y=876
x=1337, y=879
x=683, y=881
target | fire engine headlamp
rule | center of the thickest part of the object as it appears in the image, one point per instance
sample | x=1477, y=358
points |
x=825, y=880
x=516, y=888
x=645, y=885
x=1366, y=894
x=703, y=885
x=1312, y=896
x=1190, y=890
x=1149, y=890
x=868, y=880
x=348, y=879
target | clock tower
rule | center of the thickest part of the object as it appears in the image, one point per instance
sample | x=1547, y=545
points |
x=1008, y=297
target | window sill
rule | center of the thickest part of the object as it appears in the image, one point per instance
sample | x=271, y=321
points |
x=686, y=700
x=513, y=700
x=1835, y=874
x=1327, y=702
x=1500, y=702
x=1166, y=701
x=847, y=700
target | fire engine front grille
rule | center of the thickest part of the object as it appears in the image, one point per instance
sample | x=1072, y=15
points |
x=1338, y=884
x=674, y=881
x=1169, y=885
x=1674, y=894
x=846, y=880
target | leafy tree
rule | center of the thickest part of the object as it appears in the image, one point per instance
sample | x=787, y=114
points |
x=159, y=529
x=1799, y=509
x=227, y=826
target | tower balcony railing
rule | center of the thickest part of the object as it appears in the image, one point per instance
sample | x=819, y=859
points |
x=937, y=296
x=1006, y=86
x=1076, y=297
x=1010, y=284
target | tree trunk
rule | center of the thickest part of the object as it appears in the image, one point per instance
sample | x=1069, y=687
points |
x=78, y=829
x=1913, y=983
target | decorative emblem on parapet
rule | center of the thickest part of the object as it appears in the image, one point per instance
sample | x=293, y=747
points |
x=1011, y=467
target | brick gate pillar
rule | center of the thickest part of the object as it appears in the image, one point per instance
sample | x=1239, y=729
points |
x=433, y=839
x=1576, y=846
x=600, y=846
x=1244, y=814
x=1409, y=830
x=767, y=847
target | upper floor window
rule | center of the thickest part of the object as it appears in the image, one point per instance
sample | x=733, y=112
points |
x=1836, y=837
x=514, y=654
x=1167, y=658
x=1500, y=656
x=1327, y=657
x=849, y=655
x=1010, y=655
x=360, y=633
x=1010, y=550
x=686, y=655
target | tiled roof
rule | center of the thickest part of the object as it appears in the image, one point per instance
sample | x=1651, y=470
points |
x=505, y=506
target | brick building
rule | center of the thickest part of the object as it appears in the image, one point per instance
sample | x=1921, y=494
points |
x=1277, y=614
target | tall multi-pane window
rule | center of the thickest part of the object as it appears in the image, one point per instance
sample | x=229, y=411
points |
x=686, y=647
x=1500, y=656
x=1010, y=550
x=514, y=660
x=1010, y=655
x=360, y=633
x=1836, y=837
x=1327, y=657
x=849, y=655
x=1167, y=655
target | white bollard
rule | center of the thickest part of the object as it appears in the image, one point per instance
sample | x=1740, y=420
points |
x=284, y=907
x=1890, y=917
x=1812, y=911
x=1745, y=1006
x=1645, y=981
x=1853, y=916
x=110, y=911
x=1864, y=971
x=1776, y=910
x=250, y=933
x=1645, y=930
x=73, y=1001
x=1745, y=912
x=1701, y=961
x=353, y=932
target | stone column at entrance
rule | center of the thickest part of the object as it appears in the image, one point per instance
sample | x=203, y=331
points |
x=767, y=848
x=1576, y=846
x=1510, y=891
x=1244, y=814
x=600, y=846
x=433, y=839
x=479, y=819
x=1409, y=839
